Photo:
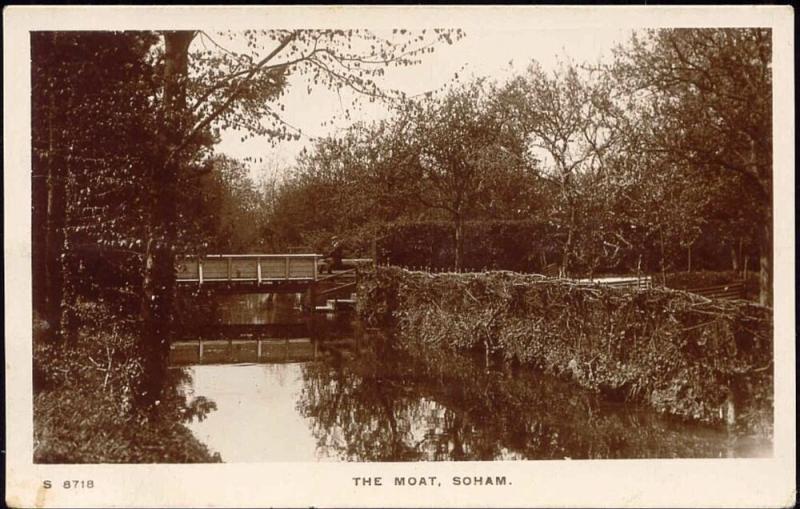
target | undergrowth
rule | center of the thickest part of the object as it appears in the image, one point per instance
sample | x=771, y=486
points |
x=83, y=406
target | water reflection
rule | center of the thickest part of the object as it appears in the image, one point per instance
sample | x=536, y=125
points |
x=256, y=418
x=389, y=406
x=354, y=397
x=268, y=308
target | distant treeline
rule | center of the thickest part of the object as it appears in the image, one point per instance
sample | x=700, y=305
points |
x=657, y=160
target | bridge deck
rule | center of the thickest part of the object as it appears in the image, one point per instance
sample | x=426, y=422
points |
x=249, y=268
x=270, y=351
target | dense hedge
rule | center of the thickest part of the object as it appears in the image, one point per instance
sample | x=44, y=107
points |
x=523, y=246
x=678, y=352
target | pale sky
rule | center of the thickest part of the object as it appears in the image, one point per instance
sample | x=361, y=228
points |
x=495, y=53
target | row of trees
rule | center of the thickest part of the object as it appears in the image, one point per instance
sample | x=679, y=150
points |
x=665, y=148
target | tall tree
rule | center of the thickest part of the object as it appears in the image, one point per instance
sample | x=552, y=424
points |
x=91, y=112
x=710, y=93
x=568, y=117
x=204, y=89
x=228, y=208
x=465, y=144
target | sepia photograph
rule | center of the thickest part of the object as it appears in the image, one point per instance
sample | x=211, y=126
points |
x=400, y=245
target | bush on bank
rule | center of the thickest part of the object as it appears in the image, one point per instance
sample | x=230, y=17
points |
x=678, y=352
x=83, y=406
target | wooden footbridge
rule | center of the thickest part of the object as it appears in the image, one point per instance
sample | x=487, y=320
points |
x=247, y=268
x=247, y=350
x=266, y=273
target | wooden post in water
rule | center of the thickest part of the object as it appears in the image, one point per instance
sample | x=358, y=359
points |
x=728, y=409
x=258, y=350
x=310, y=297
x=200, y=351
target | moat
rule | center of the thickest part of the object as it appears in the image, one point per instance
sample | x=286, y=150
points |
x=324, y=388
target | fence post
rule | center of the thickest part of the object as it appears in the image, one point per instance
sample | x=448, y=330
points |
x=258, y=274
x=230, y=267
x=314, y=260
x=287, y=267
x=200, y=270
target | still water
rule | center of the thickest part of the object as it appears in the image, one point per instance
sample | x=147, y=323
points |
x=322, y=389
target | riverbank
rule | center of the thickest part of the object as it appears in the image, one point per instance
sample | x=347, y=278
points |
x=83, y=408
x=681, y=354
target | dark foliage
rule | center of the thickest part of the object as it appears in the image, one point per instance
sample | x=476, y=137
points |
x=523, y=246
x=83, y=408
x=520, y=246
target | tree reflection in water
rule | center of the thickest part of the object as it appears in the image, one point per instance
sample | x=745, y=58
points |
x=360, y=410
x=382, y=404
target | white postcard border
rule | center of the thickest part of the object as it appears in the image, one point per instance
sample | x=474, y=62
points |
x=651, y=483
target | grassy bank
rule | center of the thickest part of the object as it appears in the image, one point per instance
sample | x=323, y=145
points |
x=83, y=406
x=679, y=353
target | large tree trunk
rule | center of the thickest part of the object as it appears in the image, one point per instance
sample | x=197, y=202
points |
x=765, y=261
x=689, y=258
x=43, y=176
x=567, y=254
x=663, y=257
x=49, y=217
x=39, y=233
x=459, y=227
x=761, y=159
x=69, y=278
x=56, y=207
x=158, y=284
x=55, y=214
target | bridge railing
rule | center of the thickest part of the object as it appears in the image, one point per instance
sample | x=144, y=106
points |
x=257, y=268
